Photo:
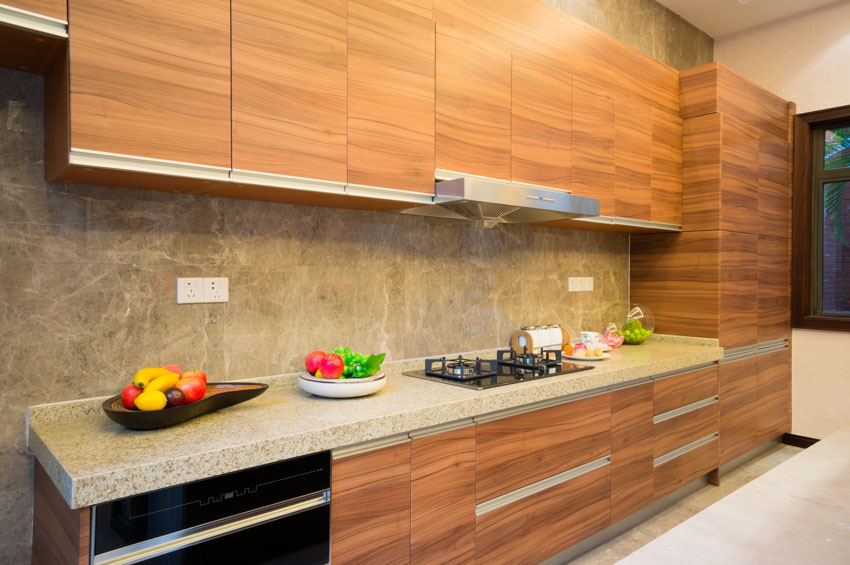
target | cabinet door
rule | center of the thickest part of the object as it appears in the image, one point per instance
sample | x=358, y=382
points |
x=739, y=176
x=473, y=82
x=53, y=8
x=633, y=158
x=774, y=272
x=738, y=312
x=370, y=507
x=631, y=450
x=290, y=87
x=517, y=451
x=442, y=502
x=391, y=94
x=680, y=390
x=774, y=188
x=680, y=471
x=541, y=124
x=593, y=144
x=680, y=431
x=739, y=403
x=666, y=167
x=151, y=79
x=774, y=389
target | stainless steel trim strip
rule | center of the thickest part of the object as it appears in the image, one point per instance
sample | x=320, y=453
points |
x=629, y=222
x=192, y=536
x=371, y=445
x=678, y=372
x=442, y=428
x=508, y=412
x=753, y=353
x=242, y=176
x=629, y=384
x=443, y=174
x=750, y=349
x=33, y=21
x=389, y=194
x=676, y=412
x=540, y=486
x=669, y=456
x=104, y=160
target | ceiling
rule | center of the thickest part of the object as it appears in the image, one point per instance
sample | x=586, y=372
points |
x=724, y=17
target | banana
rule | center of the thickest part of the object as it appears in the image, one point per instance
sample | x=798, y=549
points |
x=163, y=382
x=145, y=376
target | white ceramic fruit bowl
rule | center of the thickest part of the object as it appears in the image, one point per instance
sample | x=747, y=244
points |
x=341, y=388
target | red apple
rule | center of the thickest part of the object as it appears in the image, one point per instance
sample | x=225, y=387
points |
x=128, y=396
x=174, y=369
x=193, y=388
x=196, y=373
x=331, y=366
x=312, y=361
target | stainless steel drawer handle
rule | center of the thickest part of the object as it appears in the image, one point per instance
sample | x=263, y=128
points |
x=548, y=199
x=532, y=197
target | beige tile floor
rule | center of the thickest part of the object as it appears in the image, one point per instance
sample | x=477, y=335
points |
x=643, y=533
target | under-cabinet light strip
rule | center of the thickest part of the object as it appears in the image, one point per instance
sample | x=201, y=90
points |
x=33, y=21
x=104, y=160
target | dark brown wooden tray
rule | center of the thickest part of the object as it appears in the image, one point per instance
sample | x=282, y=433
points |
x=218, y=396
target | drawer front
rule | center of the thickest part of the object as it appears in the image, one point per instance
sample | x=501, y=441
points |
x=517, y=451
x=674, y=433
x=683, y=469
x=684, y=389
x=535, y=528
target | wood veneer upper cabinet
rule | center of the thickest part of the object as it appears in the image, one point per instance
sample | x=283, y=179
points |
x=151, y=78
x=391, y=94
x=666, y=167
x=442, y=505
x=633, y=158
x=774, y=279
x=370, y=507
x=774, y=391
x=738, y=406
x=738, y=313
x=541, y=134
x=631, y=450
x=715, y=88
x=593, y=144
x=290, y=112
x=54, y=8
x=473, y=98
x=774, y=186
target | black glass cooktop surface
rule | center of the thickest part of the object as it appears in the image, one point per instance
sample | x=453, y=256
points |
x=504, y=375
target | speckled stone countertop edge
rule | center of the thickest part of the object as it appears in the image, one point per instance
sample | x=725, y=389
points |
x=81, y=490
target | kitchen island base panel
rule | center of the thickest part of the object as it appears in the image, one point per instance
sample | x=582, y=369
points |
x=60, y=535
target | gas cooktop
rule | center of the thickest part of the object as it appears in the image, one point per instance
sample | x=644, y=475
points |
x=508, y=368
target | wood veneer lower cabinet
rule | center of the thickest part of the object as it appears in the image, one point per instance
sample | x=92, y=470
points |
x=370, y=507
x=739, y=400
x=442, y=501
x=774, y=392
x=541, y=525
x=60, y=535
x=631, y=450
x=683, y=469
x=680, y=390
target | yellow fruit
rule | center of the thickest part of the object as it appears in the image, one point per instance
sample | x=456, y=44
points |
x=151, y=400
x=318, y=373
x=163, y=382
x=145, y=376
x=598, y=352
x=579, y=353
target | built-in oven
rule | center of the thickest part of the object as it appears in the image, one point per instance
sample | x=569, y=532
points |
x=273, y=514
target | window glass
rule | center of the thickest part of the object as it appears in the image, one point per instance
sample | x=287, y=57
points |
x=836, y=148
x=835, y=294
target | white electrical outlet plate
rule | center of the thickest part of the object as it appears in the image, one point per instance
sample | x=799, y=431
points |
x=215, y=289
x=588, y=283
x=580, y=284
x=190, y=290
x=573, y=284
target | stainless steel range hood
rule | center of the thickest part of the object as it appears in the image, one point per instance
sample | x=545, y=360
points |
x=493, y=202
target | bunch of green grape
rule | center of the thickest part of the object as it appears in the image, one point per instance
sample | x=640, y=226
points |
x=633, y=332
x=357, y=365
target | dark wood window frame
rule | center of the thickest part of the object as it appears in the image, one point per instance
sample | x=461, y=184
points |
x=802, y=222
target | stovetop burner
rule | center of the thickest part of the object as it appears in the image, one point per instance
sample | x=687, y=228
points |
x=460, y=368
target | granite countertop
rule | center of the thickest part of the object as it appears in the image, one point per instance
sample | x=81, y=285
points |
x=92, y=459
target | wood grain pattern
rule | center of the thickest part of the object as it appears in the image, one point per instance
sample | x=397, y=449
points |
x=151, y=79
x=632, y=158
x=370, y=507
x=738, y=309
x=442, y=501
x=517, y=451
x=666, y=167
x=701, y=170
x=54, y=8
x=28, y=51
x=774, y=306
x=473, y=98
x=774, y=391
x=698, y=91
x=57, y=129
x=680, y=431
x=60, y=535
x=593, y=144
x=674, y=392
x=290, y=87
x=679, y=275
x=739, y=176
x=774, y=188
x=391, y=94
x=683, y=469
x=631, y=450
x=541, y=127
x=738, y=420
x=535, y=528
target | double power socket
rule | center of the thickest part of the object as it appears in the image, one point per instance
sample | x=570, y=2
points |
x=195, y=290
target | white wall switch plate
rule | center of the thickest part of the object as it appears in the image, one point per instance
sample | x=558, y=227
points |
x=573, y=284
x=580, y=284
x=190, y=290
x=588, y=284
x=216, y=289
